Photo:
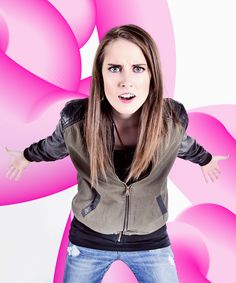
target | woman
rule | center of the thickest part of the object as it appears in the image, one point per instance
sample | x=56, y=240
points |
x=123, y=141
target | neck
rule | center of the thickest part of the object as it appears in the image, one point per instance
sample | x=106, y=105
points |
x=126, y=120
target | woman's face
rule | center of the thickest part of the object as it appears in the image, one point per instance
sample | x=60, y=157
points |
x=126, y=76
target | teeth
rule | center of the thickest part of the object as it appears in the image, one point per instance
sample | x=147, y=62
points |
x=127, y=95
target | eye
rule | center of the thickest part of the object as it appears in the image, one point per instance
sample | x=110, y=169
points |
x=138, y=69
x=114, y=69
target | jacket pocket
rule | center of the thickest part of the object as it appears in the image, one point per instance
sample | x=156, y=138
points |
x=92, y=205
x=161, y=204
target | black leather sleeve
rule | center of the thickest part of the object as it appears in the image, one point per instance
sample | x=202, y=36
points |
x=49, y=149
x=53, y=147
x=189, y=148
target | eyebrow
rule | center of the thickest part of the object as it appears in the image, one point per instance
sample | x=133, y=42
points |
x=118, y=65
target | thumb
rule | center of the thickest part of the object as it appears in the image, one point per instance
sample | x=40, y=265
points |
x=224, y=157
x=9, y=150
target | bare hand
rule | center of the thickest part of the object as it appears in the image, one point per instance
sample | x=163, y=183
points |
x=18, y=164
x=212, y=169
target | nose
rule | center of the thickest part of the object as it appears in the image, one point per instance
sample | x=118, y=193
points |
x=125, y=79
x=126, y=84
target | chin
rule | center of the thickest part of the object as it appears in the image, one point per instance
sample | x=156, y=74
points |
x=127, y=113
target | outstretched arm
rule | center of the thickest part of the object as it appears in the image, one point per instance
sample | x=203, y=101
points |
x=49, y=149
x=194, y=152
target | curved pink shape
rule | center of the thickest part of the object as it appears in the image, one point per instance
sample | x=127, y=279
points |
x=74, y=12
x=212, y=134
x=191, y=254
x=85, y=85
x=224, y=113
x=45, y=47
x=19, y=87
x=40, y=179
x=119, y=272
x=153, y=16
x=23, y=100
x=4, y=35
x=218, y=227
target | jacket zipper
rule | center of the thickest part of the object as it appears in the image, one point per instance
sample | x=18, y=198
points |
x=127, y=193
x=126, y=218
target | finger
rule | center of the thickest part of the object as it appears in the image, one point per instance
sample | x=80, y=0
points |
x=10, y=170
x=211, y=177
x=7, y=149
x=217, y=170
x=18, y=175
x=224, y=157
x=10, y=151
x=215, y=174
x=205, y=176
x=14, y=173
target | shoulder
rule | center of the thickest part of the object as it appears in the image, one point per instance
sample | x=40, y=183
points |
x=73, y=111
x=172, y=108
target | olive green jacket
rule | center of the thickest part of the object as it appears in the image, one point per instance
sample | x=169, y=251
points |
x=115, y=207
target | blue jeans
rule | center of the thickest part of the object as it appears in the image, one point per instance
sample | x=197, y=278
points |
x=86, y=265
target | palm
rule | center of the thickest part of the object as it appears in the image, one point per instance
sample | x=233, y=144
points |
x=212, y=170
x=18, y=164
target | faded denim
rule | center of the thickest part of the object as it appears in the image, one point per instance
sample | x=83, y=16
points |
x=86, y=265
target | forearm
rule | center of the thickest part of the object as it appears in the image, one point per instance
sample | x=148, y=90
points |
x=49, y=149
x=194, y=152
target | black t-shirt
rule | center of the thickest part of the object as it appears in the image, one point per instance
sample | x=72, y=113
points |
x=82, y=235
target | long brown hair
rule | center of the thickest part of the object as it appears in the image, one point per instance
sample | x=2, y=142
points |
x=152, y=125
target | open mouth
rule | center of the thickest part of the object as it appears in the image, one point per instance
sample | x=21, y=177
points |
x=127, y=96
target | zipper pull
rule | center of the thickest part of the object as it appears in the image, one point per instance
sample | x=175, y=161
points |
x=120, y=234
x=127, y=192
